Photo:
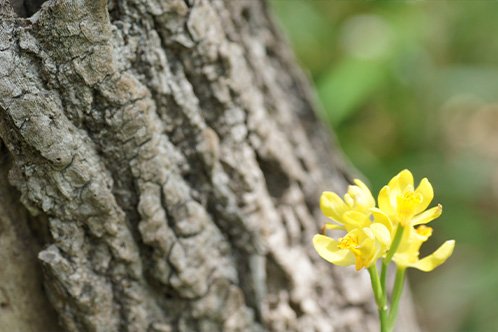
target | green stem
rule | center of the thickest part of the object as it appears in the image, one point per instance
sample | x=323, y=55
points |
x=385, y=262
x=394, y=245
x=383, y=287
x=383, y=275
x=399, y=282
x=380, y=298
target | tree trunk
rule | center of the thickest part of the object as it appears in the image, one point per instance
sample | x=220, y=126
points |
x=161, y=167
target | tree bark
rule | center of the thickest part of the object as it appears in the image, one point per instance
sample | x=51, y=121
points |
x=161, y=167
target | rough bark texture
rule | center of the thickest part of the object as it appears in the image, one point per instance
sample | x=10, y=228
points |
x=163, y=162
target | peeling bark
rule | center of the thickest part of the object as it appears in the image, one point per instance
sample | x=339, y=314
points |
x=168, y=161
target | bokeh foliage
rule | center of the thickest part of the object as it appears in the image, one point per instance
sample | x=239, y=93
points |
x=414, y=84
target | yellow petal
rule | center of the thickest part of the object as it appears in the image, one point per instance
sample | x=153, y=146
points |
x=354, y=219
x=366, y=252
x=411, y=241
x=422, y=233
x=406, y=259
x=327, y=248
x=332, y=227
x=437, y=258
x=384, y=200
x=332, y=205
x=405, y=179
x=424, y=189
x=367, y=199
x=427, y=216
x=382, y=218
x=374, y=241
x=381, y=233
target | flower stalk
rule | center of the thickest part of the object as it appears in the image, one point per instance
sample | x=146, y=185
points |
x=380, y=299
x=399, y=282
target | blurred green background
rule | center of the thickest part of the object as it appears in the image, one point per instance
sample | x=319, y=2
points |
x=414, y=84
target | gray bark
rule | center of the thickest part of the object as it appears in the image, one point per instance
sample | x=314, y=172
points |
x=160, y=171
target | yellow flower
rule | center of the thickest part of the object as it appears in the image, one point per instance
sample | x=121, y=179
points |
x=404, y=204
x=407, y=254
x=353, y=211
x=361, y=246
x=394, y=230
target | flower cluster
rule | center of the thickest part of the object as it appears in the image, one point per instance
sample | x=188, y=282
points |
x=394, y=230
